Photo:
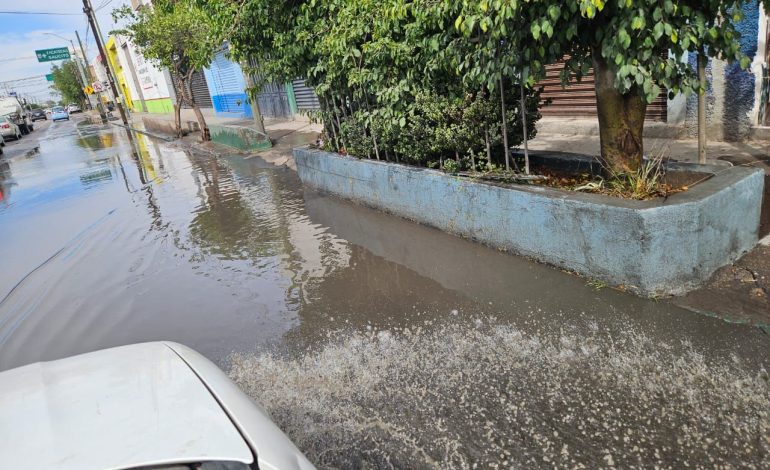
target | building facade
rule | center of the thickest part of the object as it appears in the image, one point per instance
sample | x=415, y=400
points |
x=113, y=56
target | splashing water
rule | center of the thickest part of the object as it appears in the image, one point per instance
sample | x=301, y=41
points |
x=492, y=396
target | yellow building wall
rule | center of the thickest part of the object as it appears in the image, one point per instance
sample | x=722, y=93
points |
x=112, y=56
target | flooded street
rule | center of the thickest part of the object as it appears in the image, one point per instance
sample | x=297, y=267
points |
x=373, y=341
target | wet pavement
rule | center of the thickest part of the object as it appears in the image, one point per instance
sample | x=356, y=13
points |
x=325, y=311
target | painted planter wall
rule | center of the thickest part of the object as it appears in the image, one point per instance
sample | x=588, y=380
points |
x=652, y=248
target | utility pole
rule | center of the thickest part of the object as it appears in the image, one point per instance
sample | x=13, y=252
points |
x=89, y=11
x=99, y=106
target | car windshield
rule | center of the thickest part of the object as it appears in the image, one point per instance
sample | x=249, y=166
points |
x=58, y=109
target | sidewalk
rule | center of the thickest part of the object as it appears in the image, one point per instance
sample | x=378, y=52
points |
x=581, y=136
x=237, y=134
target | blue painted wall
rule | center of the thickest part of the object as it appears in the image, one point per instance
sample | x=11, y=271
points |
x=735, y=85
x=739, y=84
x=227, y=87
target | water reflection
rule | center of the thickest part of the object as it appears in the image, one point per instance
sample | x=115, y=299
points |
x=6, y=182
x=96, y=142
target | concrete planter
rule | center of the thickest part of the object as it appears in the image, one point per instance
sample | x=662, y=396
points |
x=653, y=248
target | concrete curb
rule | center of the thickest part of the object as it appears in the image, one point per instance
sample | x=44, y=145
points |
x=141, y=131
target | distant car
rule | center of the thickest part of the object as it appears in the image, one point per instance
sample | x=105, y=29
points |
x=72, y=108
x=11, y=107
x=9, y=129
x=38, y=114
x=47, y=111
x=58, y=113
x=150, y=406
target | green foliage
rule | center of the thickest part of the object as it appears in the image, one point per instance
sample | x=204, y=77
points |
x=66, y=82
x=376, y=61
x=386, y=73
x=451, y=166
x=175, y=34
x=634, y=35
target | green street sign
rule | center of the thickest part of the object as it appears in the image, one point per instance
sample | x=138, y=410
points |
x=49, y=77
x=57, y=53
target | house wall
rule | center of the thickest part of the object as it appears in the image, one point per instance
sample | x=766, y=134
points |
x=113, y=57
x=153, y=82
x=732, y=97
x=227, y=87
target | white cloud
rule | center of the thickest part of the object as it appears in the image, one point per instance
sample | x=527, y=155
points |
x=19, y=47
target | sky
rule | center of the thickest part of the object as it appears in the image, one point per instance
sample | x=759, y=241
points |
x=21, y=35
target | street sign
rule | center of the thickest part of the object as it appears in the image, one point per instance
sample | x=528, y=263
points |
x=48, y=55
x=49, y=77
x=98, y=87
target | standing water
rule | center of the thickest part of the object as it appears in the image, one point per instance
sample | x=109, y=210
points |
x=372, y=341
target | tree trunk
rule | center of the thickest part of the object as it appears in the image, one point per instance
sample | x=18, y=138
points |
x=205, y=134
x=621, y=120
x=178, y=116
x=180, y=97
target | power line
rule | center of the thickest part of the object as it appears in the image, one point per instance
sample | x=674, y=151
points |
x=104, y=4
x=6, y=12
x=23, y=79
x=18, y=58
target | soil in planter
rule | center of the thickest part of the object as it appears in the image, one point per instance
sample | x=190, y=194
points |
x=672, y=182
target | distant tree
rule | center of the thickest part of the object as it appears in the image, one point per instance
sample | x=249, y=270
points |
x=175, y=34
x=66, y=82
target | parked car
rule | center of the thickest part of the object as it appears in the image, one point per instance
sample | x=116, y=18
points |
x=13, y=110
x=47, y=111
x=150, y=406
x=58, y=113
x=38, y=114
x=72, y=108
x=9, y=129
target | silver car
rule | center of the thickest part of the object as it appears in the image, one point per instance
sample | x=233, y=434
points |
x=150, y=406
x=8, y=129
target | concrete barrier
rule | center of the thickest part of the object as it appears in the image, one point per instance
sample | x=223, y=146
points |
x=240, y=137
x=652, y=248
x=164, y=126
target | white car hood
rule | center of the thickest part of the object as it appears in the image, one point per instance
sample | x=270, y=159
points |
x=118, y=408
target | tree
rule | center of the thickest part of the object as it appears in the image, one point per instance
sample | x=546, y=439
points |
x=387, y=85
x=67, y=82
x=626, y=42
x=175, y=34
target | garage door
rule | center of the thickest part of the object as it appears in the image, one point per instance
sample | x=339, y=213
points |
x=579, y=99
x=200, y=90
